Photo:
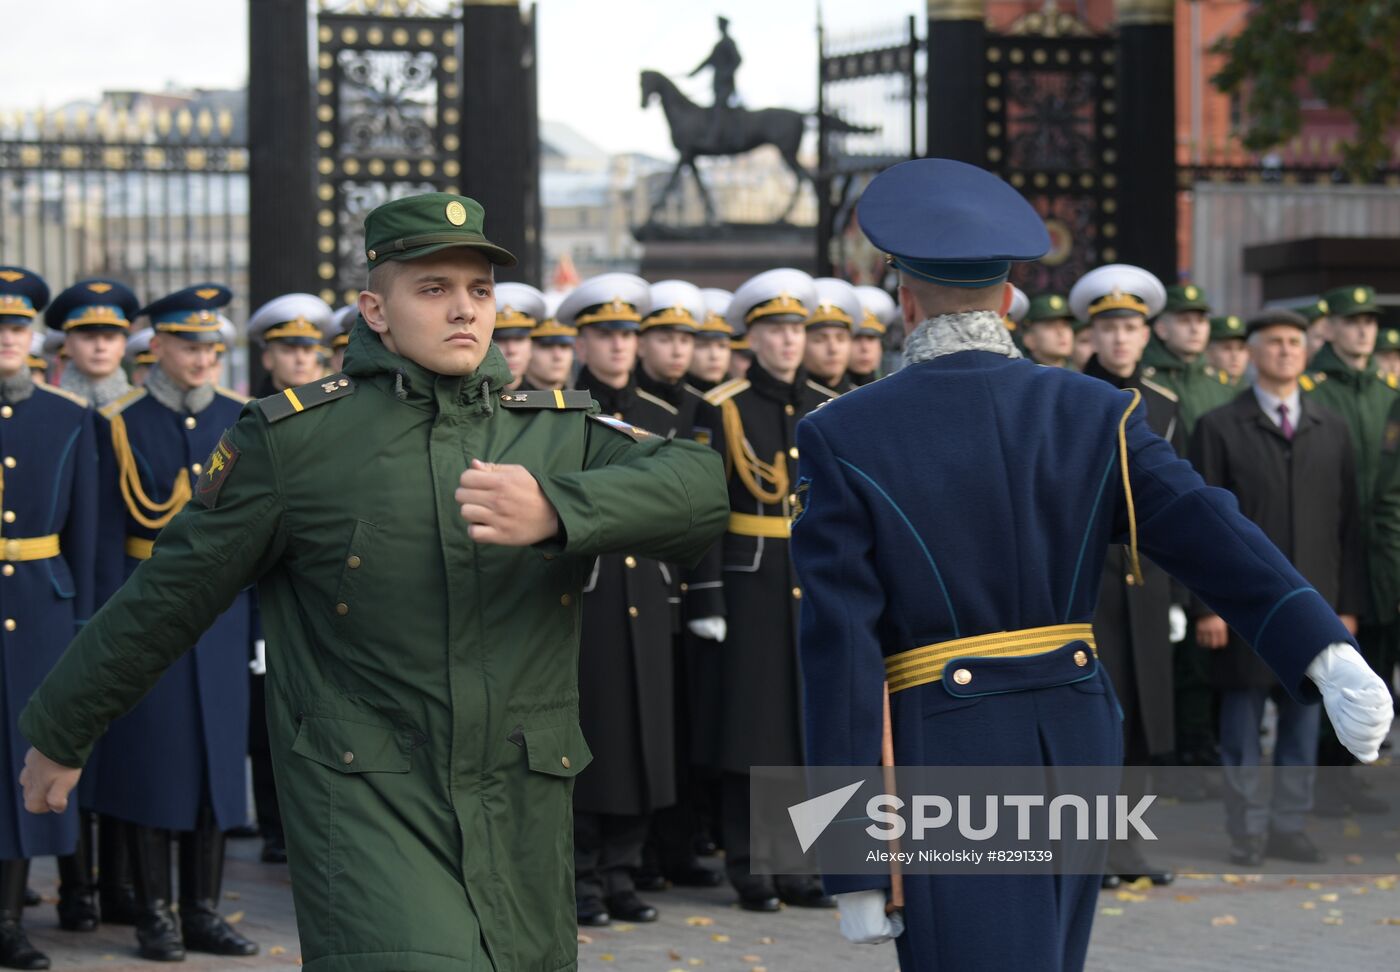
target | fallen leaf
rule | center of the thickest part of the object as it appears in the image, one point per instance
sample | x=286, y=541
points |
x=1141, y=884
x=585, y=939
x=1351, y=829
x=1186, y=898
x=699, y=921
x=277, y=950
x=1130, y=896
x=1232, y=878
x=719, y=938
x=1389, y=921
x=1328, y=897
x=1308, y=905
x=696, y=963
x=1385, y=883
x=622, y=926
x=1220, y=921
x=232, y=895
x=234, y=918
x=1360, y=890
x=750, y=958
x=765, y=940
x=1314, y=885
x=673, y=955
x=606, y=957
x=1111, y=912
x=1331, y=920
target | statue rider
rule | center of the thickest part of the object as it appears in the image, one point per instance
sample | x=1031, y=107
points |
x=724, y=61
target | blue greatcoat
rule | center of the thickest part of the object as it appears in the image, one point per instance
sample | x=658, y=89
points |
x=49, y=467
x=973, y=494
x=187, y=741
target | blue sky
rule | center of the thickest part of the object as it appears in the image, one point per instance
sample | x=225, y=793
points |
x=591, y=52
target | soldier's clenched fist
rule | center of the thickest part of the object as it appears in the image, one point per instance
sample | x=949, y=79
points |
x=46, y=783
x=505, y=505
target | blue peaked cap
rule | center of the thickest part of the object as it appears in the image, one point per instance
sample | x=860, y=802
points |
x=951, y=223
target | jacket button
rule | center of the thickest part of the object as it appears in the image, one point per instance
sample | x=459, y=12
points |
x=632, y=612
x=789, y=410
x=8, y=570
x=792, y=499
x=631, y=561
x=190, y=422
x=564, y=760
x=566, y=600
x=1081, y=659
x=797, y=593
x=6, y=412
x=10, y=624
x=352, y=561
x=793, y=452
x=962, y=676
x=1130, y=580
x=347, y=757
x=342, y=608
x=196, y=469
x=9, y=516
x=10, y=462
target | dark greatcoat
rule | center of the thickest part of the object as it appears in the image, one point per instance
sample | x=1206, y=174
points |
x=1130, y=620
x=752, y=705
x=50, y=488
x=1302, y=494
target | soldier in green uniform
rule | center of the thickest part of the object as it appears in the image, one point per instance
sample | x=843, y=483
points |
x=1227, y=353
x=1319, y=333
x=1048, y=330
x=1341, y=377
x=1175, y=358
x=423, y=696
x=1387, y=356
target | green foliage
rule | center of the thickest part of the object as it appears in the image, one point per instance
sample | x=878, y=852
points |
x=1350, y=57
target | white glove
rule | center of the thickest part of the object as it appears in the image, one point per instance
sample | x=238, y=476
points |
x=1357, y=700
x=1176, y=623
x=863, y=918
x=711, y=629
x=258, y=666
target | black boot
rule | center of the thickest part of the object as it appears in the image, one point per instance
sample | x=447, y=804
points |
x=15, y=950
x=201, y=880
x=116, y=893
x=77, y=896
x=157, y=932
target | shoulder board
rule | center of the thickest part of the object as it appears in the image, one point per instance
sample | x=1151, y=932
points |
x=723, y=393
x=1218, y=375
x=71, y=396
x=692, y=390
x=1166, y=393
x=818, y=386
x=658, y=401
x=293, y=400
x=116, y=407
x=1389, y=379
x=618, y=425
x=230, y=393
x=548, y=398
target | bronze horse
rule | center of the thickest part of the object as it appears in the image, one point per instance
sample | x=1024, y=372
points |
x=694, y=134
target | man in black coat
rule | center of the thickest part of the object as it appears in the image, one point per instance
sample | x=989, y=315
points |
x=1130, y=621
x=1289, y=461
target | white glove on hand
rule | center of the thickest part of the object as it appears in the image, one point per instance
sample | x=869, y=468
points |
x=1176, y=623
x=1357, y=700
x=258, y=666
x=863, y=918
x=711, y=629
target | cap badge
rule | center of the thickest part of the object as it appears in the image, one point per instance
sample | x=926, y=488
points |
x=206, y=293
x=1393, y=337
x=456, y=213
x=1056, y=302
x=1233, y=323
x=1191, y=293
x=10, y=276
x=99, y=288
x=1322, y=305
x=1359, y=295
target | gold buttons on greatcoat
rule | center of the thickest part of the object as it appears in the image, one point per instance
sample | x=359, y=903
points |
x=564, y=761
x=190, y=422
x=566, y=600
x=797, y=593
x=962, y=676
x=347, y=757
x=6, y=411
x=632, y=612
x=1081, y=659
x=793, y=452
x=631, y=561
x=352, y=561
x=10, y=624
x=8, y=570
x=789, y=410
x=10, y=462
x=9, y=516
x=196, y=469
x=342, y=609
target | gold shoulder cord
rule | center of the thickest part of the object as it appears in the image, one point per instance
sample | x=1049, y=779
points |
x=137, y=502
x=752, y=470
x=1127, y=486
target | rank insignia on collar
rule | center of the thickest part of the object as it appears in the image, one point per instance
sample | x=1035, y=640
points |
x=216, y=472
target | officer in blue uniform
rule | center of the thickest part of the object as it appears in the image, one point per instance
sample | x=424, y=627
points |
x=922, y=531
x=48, y=527
x=182, y=749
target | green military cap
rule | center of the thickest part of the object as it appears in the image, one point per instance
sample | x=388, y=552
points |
x=1226, y=326
x=1388, y=339
x=1313, y=310
x=1185, y=297
x=1346, y=301
x=1048, y=307
x=415, y=226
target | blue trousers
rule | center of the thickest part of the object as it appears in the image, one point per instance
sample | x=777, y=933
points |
x=1250, y=810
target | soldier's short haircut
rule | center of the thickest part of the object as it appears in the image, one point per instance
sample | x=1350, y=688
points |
x=381, y=278
x=934, y=299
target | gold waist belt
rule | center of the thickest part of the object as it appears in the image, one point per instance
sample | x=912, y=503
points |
x=919, y=666
x=29, y=548
x=139, y=547
x=748, y=525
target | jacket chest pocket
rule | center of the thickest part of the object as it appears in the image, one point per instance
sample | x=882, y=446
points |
x=348, y=594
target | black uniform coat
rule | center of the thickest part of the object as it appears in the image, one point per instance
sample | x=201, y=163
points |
x=626, y=664
x=756, y=696
x=1130, y=621
x=1302, y=494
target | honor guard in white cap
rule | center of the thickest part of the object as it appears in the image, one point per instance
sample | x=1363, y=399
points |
x=519, y=307
x=139, y=356
x=337, y=335
x=1016, y=313
x=626, y=660
x=37, y=360
x=753, y=709
x=709, y=364
x=878, y=314
x=830, y=328
x=290, y=329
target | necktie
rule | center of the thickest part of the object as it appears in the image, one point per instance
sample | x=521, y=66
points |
x=1284, y=424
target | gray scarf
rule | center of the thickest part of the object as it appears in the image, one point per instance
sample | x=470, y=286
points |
x=966, y=331
x=18, y=386
x=169, y=394
x=99, y=392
